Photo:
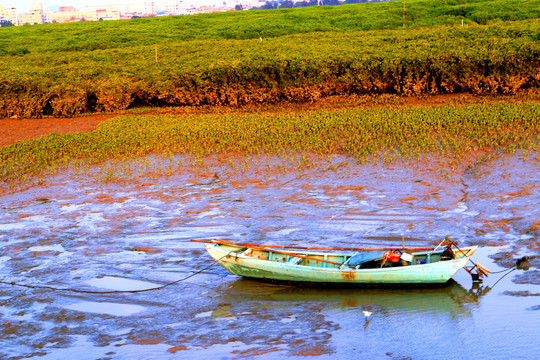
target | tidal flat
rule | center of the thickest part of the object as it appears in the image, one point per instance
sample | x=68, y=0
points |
x=82, y=230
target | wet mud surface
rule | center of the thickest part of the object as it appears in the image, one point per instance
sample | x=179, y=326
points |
x=13, y=130
x=82, y=231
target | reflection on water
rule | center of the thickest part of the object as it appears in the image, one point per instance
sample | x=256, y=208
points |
x=451, y=298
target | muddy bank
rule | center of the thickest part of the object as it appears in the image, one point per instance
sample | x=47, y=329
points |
x=13, y=130
x=79, y=231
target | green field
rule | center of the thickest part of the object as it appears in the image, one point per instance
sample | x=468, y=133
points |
x=271, y=56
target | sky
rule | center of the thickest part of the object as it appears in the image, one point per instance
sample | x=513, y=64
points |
x=23, y=5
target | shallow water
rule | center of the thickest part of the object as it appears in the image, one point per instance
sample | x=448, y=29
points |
x=80, y=233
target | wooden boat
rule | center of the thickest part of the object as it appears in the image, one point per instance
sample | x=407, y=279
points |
x=340, y=265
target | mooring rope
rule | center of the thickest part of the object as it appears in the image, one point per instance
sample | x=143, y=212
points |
x=502, y=277
x=12, y=283
x=504, y=270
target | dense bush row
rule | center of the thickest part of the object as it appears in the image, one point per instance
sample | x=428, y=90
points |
x=270, y=56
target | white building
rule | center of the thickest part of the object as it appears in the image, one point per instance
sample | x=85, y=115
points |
x=35, y=15
x=9, y=14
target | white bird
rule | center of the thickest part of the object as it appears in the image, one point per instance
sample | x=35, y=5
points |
x=367, y=313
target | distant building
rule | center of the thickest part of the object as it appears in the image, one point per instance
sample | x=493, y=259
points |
x=9, y=14
x=149, y=8
x=66, y=9
x=72, y=15
x=137, y=8
x=35, y=15
x=178, y=8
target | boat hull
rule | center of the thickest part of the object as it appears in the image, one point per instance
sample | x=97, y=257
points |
x=253, y=267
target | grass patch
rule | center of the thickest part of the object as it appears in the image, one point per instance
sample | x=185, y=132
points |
x=363, y=134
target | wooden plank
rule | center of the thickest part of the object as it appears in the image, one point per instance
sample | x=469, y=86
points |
x=227, y=242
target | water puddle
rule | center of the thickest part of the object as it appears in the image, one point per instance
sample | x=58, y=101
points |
x=109, y=308
x=120, y=284
x=54, y=248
